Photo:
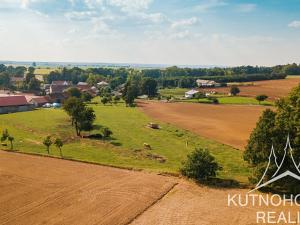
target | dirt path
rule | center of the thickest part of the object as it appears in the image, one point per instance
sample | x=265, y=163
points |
x=228, y=124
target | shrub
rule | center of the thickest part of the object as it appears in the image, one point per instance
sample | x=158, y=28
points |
x=234, y=90
x=106, y=132
x=200, y=165
x=104, y=100
x=214, y=100
x=261, y=98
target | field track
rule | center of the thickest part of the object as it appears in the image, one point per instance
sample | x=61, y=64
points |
x=40, y=190
x=228, y=124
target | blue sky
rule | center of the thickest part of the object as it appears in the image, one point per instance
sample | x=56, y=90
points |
x=199, y=32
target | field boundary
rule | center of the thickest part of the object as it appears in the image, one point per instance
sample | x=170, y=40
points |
x=94, y=163
x=153, y=203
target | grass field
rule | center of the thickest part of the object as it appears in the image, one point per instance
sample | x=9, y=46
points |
x=239, y=100
x=176, y=92
x=126, y=147
x=43, y=71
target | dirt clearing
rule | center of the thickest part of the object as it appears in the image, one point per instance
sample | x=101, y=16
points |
x=40, y=190
x=228, y=124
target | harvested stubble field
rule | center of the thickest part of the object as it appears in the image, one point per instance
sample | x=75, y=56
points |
x=228, y=124
x=274, y=89
x=41, y=190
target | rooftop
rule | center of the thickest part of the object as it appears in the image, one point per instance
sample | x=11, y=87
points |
x=13, y=101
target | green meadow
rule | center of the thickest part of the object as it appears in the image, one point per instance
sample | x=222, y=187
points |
x=170, y=145
x=223, y=99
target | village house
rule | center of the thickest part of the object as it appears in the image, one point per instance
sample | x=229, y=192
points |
x=102, y=84
x=58, y=87
x=85, y=87
x=39, y=101
x=57, y=97
x=207, y=83
x=14, y=103
x=191, y=93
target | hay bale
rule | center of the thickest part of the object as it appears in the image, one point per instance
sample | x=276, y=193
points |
x=153, y=125
x=147, y=146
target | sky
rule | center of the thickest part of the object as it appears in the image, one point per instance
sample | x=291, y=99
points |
x=175, y=32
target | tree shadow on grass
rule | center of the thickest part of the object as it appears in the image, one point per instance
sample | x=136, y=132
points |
x=221, y=183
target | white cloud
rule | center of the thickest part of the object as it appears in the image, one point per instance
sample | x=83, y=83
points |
x=185, y=22
x=91, y=4
x=80, y=15
x=209, y=4
x=246, y=7
x=180, y=35
x=130, y=5
x=101, y=28
x=294, y=24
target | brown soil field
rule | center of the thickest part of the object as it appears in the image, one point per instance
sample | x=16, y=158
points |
x=41, y=190
x=228, y=124
x=273, y=88
x=189, y=204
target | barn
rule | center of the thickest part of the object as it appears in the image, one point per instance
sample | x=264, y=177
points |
x=11, y=104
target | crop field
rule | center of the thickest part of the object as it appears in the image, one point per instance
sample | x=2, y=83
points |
x=228, y=124
x=40, y=190
x=44, y=71
x=273, y=88
x=125, y=149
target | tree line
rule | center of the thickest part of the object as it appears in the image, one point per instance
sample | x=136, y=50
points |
x=166, y=77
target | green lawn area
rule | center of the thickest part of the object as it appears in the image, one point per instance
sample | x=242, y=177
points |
x=239, y=100
x=126, y=147
x=176, y=92
x=293, y=76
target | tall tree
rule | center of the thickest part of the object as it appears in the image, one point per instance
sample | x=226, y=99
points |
x=273, y=128
x=149, y=87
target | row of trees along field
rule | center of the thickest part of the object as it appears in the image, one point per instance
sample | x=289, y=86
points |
x=167, y=77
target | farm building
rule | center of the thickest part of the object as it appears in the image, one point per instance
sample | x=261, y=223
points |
x=207, y=83
x=85, y=87
x=102, y=84
x=191, y=93
x=39, y=101
x=59, y=86
x=57, y=97
x=10, y=104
